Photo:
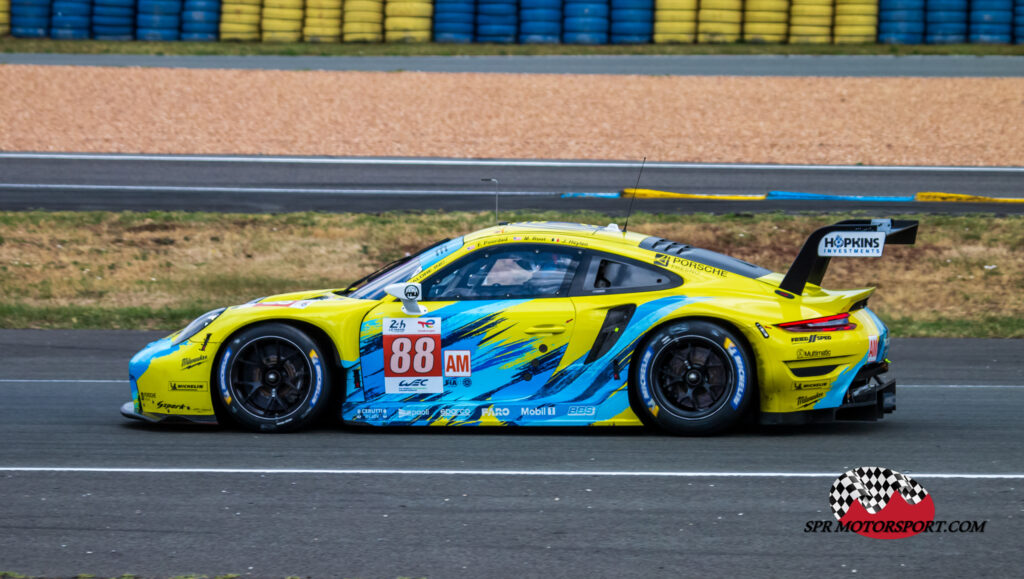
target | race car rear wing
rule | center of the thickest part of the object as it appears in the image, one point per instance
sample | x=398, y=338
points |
x=850, y=238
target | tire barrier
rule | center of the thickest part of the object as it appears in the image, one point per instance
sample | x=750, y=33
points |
x=719, y=21
x=540, y=21
x=901, y=21
x=810, y=22
x=240, y=19
x=856, y=22
x=991, y=21
x=70, y=19
x=158, y=20
x=362, y=21
x=497, y=21
x=5, y=17
x=113, y=20
x=675, y=21
x=30, y=18
x=281, y=20
x=631, y=21
x=322, y=21
x=200, y=20
x=585, y=22
x=408, y=20
x=1018, y=22
x=522, y=21
x=945, y=21
x=766, y=21
x=453, y=21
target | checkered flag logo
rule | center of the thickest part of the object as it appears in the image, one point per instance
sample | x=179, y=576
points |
x=873, y=486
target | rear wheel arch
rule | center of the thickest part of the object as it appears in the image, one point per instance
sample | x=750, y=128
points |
x=751, y=403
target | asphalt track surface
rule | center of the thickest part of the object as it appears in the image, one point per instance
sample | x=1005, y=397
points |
x=675, y=65
x=362, y=184
x=528, y=503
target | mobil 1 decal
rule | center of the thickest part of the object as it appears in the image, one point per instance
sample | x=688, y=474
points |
x=412, y=356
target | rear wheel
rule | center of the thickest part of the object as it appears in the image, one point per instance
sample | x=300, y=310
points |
x=273, y=378
x=692, y=378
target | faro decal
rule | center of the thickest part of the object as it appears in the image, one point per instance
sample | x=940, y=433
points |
x=224, y=376
x=741, y=373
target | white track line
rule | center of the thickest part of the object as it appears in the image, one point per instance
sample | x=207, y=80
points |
x=551, y=473
x=250, y=190
x=486, y=162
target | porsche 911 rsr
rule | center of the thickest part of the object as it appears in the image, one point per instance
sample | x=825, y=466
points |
x=542, y=324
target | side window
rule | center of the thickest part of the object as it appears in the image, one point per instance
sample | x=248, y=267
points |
x=505, y=272
x=607, y=274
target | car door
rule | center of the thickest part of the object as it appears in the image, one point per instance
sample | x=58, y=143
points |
x=498, y=323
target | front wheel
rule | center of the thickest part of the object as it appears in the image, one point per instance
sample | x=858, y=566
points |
x=273, y=378
x=692, y=377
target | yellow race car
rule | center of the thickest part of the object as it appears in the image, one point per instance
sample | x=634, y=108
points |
x=542, y=324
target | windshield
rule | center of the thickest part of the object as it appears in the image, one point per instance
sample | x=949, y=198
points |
x=403, y=270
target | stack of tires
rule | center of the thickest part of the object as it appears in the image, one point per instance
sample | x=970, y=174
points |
x=766, y=21
x=362, y=21
x=675, y=21
x=719, y=21
x=70, y=19
x=158, y=20
x=945, y=21
x=810, y=22
x=113, y=20
x=200, y=20
x=240, y=19
x=5, y=17
x=1018, y=22
x=497, y=21
x=991, y=21
x=453, y=20
x=407, y=20
x=281, y=20
x=856, y=21
x=323, y=21
x=540, y=21
x=30, y=18
x=585, y=22
x=901, y=21
x=632, y=21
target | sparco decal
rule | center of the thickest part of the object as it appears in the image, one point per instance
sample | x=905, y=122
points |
x=852, y=244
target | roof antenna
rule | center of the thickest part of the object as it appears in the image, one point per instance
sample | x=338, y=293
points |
x=495, y=181
x=632, y=198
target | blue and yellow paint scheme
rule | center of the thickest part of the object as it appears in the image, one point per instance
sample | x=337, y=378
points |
x=532, y=362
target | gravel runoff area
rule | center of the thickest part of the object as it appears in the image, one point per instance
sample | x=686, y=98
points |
x=890, y=121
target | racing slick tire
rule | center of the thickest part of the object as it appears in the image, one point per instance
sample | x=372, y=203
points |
x=692, y=377
x=273, y=378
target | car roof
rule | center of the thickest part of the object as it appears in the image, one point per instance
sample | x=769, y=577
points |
x=610, y=233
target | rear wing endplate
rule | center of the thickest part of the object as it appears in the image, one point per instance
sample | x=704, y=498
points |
x=850, y=238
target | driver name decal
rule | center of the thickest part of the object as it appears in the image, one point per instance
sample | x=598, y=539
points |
x=412, y=356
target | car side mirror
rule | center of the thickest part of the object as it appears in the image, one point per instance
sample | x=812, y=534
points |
x=410, y=294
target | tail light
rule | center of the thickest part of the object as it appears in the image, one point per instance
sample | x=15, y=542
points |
x=836, y=323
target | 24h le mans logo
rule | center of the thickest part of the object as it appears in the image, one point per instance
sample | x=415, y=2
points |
x=881, y=503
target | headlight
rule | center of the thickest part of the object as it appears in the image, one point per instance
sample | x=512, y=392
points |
x=197, y=325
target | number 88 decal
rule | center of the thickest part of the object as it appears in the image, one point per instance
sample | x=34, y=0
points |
x=421, y=356
x=412, y=356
